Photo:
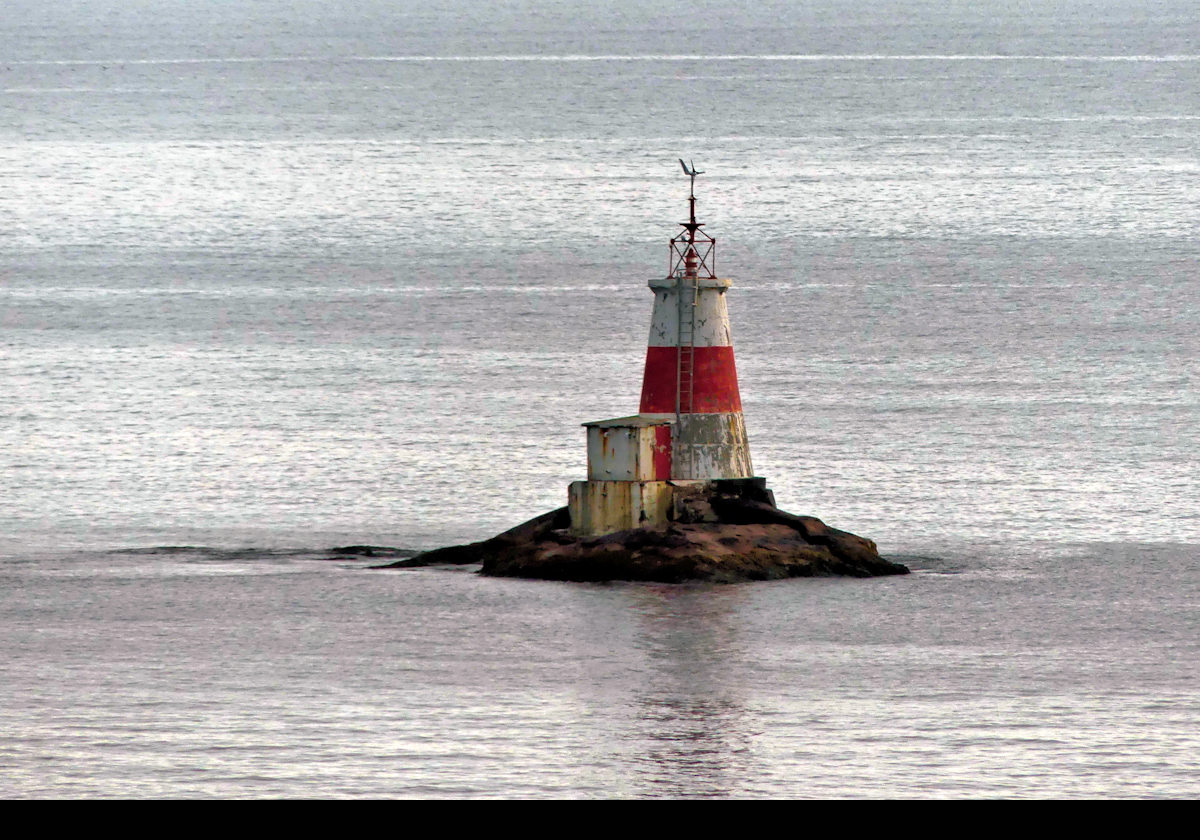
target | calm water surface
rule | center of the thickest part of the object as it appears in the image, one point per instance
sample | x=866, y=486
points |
x=278, y=279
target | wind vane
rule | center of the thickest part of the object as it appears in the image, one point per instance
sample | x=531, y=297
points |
x=692, y=252
x=693, y=172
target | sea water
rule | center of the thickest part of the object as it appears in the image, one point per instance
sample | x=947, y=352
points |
x=300, y=275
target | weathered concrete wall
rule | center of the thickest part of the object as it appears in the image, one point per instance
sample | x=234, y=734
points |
x=602, y=507
x=712, y=316
x=629, y=451
x=712, y=446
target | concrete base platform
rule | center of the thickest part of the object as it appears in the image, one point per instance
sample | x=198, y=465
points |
x=605, y=507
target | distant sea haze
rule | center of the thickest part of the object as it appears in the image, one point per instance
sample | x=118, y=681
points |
x=296, y=276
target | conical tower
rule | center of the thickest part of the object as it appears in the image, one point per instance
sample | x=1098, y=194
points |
x=690, y=373
x=689, y=429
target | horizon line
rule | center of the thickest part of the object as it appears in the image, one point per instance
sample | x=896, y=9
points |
x=583, y=57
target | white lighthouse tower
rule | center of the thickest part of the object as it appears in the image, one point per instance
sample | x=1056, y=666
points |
x=689, y=429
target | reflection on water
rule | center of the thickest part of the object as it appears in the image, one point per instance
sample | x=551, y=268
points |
x=319, y=679
x=691, y=718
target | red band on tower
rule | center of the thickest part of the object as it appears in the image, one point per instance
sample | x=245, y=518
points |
x=714, y=381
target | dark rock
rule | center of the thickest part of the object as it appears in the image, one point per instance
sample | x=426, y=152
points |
x=723, y=532
x=457, y=555
x=372, y=551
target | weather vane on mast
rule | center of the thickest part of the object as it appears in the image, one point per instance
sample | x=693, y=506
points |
x=692, y=172
x=693, y=251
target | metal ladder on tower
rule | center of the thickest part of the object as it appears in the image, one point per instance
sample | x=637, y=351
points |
x=685, y=379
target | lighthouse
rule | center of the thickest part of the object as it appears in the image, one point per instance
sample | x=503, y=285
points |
x=671, y=494
x=689, y=428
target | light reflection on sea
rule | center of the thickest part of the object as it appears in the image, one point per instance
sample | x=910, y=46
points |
x=357, y=275
x=299, y=677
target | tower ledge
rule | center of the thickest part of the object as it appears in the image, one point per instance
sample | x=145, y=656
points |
x=700, y=282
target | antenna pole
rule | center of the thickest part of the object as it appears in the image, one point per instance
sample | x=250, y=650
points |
x=692, y=207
